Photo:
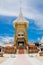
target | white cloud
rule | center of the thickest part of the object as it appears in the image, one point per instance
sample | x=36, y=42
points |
x=6, y=39
x=29, y=8
x=41, y=40
x=38, y=39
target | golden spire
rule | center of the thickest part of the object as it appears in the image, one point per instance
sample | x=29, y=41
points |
x=20, y=18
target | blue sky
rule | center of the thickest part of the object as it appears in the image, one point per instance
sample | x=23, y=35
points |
x=32, y=10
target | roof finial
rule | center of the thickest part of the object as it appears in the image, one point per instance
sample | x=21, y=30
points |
x=20, y=17
x=20, y=13
x=20, y=4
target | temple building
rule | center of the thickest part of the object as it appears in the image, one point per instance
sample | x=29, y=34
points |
x=20, y=44
x=41, y=49
x=1, y=53
x=20, y=39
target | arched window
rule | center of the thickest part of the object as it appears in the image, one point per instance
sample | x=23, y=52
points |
x=41, y=49
x=0, y=49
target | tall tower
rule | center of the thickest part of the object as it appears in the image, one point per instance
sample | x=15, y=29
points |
x=20, y=24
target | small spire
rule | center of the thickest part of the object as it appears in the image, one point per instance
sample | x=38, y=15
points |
x=20, y=17
x=20, y=11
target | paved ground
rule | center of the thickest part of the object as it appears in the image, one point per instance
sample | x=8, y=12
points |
x=40, y=58
x=23, y=59
x=2, y=59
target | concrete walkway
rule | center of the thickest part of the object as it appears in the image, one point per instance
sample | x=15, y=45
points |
x=34, y=60
x=23, y=59
x=10, y=61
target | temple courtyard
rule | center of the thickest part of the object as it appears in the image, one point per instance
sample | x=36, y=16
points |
x=21, y=59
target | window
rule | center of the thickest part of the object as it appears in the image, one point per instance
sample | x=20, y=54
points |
x=22, y=35
x=0, y=49
x=41, y=49
x=18, y=34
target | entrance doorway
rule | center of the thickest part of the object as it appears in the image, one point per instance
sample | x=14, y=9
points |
x=21, y=51
x=21, y=45
x=0, y=49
